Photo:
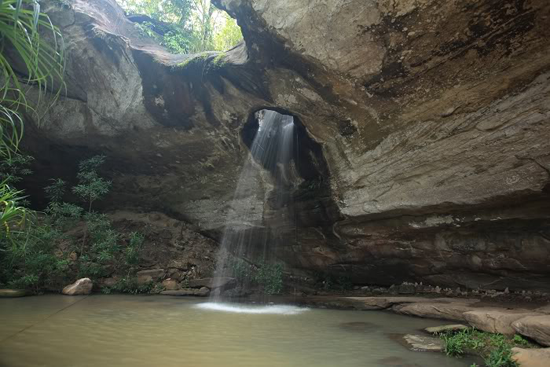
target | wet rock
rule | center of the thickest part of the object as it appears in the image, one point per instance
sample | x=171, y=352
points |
x=148, y=276
x=419, y=343
x=213, y=283
x=80, y=287
x=12, y=293
x=187, y=292
x=534, y=327
x=531, y=357
x=170, y=284
x=496, y=320
x=236, y=292
x=445, y=328
x=109, y=282
x=447, y=311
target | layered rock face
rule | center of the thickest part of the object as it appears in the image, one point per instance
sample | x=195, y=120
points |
x=424, y=130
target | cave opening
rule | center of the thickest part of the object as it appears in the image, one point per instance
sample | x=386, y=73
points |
x=305, y=165
x=184, y=27
x=301, y=178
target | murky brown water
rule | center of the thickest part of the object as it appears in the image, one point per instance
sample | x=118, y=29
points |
x=136, y=331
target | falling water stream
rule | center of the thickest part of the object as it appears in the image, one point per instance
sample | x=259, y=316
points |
x=245, y=238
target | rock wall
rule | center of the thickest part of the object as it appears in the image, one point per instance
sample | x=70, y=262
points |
x=430, y=120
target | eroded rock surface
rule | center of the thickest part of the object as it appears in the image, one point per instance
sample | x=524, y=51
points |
x=80, y=287
x=531, y=357
x=428, y=154
x=534, y=327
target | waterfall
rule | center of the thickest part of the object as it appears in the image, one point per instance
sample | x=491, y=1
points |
x=245, y=242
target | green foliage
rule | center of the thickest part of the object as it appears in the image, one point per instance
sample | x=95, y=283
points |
x=340, y=282
x=129, y=285
x=14, y=168
x=56, y=190
x=268, y=276
x=91, y=186
x=22, y=27
x=31, y=260
x=31, y=256
x=185, y=26
x=496, y=349
x=12, y=211
x=135, y=245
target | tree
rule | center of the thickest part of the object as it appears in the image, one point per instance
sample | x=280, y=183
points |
x=194, y=25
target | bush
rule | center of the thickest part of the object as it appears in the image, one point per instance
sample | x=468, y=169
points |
x=31, y=258
x=496, y=349
x=268, y=276
x=129, y=285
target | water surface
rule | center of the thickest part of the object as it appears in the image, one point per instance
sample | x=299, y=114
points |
x=139, y=331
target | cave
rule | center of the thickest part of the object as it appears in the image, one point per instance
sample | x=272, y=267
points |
x=248, y=166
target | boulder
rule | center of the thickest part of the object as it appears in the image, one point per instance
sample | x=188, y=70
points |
x=534, y=327
x=496, y=320
x=531, y=357
x=170, y=284
x=148, y=276
x=80, y=287
x=445, y=328
x=188, y=292
x=12, y=293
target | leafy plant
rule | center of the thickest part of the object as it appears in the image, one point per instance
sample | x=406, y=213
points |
x=130, y=285
x=32, y=260
x=496, y=349
x=12, y=212
x=135, y=245
x=91, y=186
x=270, y=278
x=41, y=65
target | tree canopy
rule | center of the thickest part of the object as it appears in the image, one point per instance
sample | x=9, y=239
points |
x=187, y=26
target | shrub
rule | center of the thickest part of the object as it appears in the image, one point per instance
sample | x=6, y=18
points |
x=496, y=349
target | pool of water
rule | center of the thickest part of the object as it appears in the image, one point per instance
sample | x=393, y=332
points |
x=113, y=331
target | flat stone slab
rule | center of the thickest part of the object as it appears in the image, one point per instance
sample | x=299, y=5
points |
x=419, y=343
x=445, y=328
x=188, y=292
x=543, y=309
x=435, y=310
x=496, y=320
x=534, y=327
x=12, y=293
x=380, y=303
x=531, y=357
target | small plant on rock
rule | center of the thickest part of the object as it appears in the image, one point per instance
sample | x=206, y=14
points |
x=91, y=186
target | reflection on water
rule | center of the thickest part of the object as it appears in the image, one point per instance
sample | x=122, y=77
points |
x=140, y=331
